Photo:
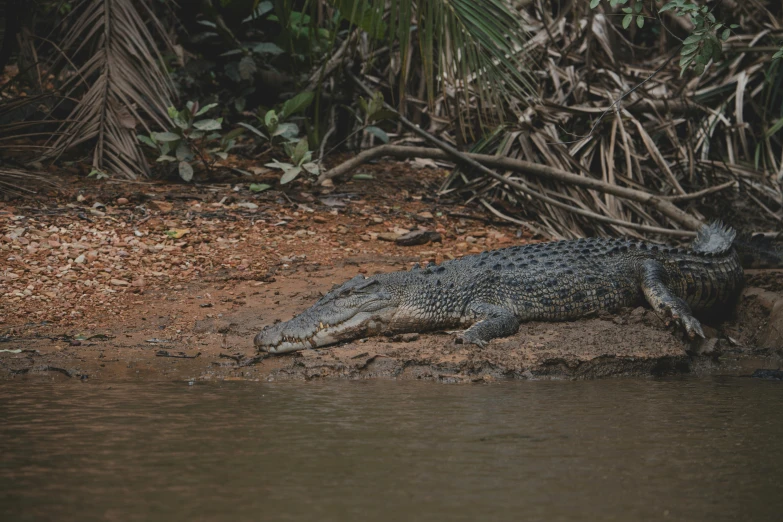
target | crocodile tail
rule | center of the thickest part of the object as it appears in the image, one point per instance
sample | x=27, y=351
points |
x=759, y=251
x=715, y=238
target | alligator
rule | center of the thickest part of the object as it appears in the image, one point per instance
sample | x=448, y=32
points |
x=490, y=294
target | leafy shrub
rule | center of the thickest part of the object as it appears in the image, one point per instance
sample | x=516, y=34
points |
x=192, y=140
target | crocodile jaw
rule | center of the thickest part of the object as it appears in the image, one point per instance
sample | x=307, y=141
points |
x=360, y=307
x=297, y=335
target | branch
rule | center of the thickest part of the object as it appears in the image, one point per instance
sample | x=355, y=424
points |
x=664, y=206
x=478, y=161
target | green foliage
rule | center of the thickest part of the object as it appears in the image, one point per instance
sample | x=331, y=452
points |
x=701, y=46
x=704, y=43
x=631, y=12
x=374, y=111
x=258, y=187
x=191, y=139
x=301, y=159
x=251, y=52
x=98, y=174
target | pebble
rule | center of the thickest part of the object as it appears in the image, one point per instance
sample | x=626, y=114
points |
x=119, y=282
x=419, y=237
x=122, y=201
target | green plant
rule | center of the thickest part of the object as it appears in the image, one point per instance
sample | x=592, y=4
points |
x=374, y=111
x=192, y=139
x=704, y=42
x=98, y=174
x=273, y=122
x=300, y=156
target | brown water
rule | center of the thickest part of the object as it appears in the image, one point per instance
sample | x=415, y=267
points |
x=626, y=450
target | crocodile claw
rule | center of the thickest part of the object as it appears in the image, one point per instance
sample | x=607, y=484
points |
x=690, y=324
x=466, y=338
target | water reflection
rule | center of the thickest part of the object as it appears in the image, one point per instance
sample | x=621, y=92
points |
x=606, y=450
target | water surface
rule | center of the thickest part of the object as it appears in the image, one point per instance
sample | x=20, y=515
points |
x=685, y=449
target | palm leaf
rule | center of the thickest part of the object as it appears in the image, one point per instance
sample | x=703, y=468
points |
x=467, y=47
x=18, y=181
x=120, y=82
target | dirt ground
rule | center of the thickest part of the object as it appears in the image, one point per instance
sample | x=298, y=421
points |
x=109, y=280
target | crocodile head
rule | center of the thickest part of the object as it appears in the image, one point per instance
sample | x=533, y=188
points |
x=358, y=308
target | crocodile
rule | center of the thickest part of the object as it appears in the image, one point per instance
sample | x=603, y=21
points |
x=488, y=295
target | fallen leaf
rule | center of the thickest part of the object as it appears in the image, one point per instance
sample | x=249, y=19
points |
x=176, y=233
x=164, y=206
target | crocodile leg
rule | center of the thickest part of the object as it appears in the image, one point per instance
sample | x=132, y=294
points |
x=492, y=321
x=665, y=302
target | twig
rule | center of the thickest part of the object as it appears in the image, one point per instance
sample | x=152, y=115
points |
x=535, y=230
x=332, y=128
x=618, y=100
x=181, y=355
x=332, y=64
x=700, y=193
x=250, y=361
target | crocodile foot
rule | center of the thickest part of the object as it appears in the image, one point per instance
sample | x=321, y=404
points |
x=687, y=322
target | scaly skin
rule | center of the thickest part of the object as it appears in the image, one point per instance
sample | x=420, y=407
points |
x=490, y=294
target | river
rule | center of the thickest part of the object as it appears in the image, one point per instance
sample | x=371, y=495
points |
x=686, y=449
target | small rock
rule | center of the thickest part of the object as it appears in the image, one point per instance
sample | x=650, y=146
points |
x=364, y=237
x=319, y=219
x=122, y=201
x=419, y=237
x=388, y=236
x=119, y=282
x=377, y=220
x=79, y=260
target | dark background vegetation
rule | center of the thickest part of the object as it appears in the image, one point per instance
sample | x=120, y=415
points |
x=617, y=117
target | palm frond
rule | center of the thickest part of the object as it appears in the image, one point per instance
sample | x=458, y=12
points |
x=18, y=181
x=468, y=48
x=120, y=81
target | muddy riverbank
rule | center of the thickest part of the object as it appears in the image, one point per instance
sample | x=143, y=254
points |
x=164, y=344
x=147, y=281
